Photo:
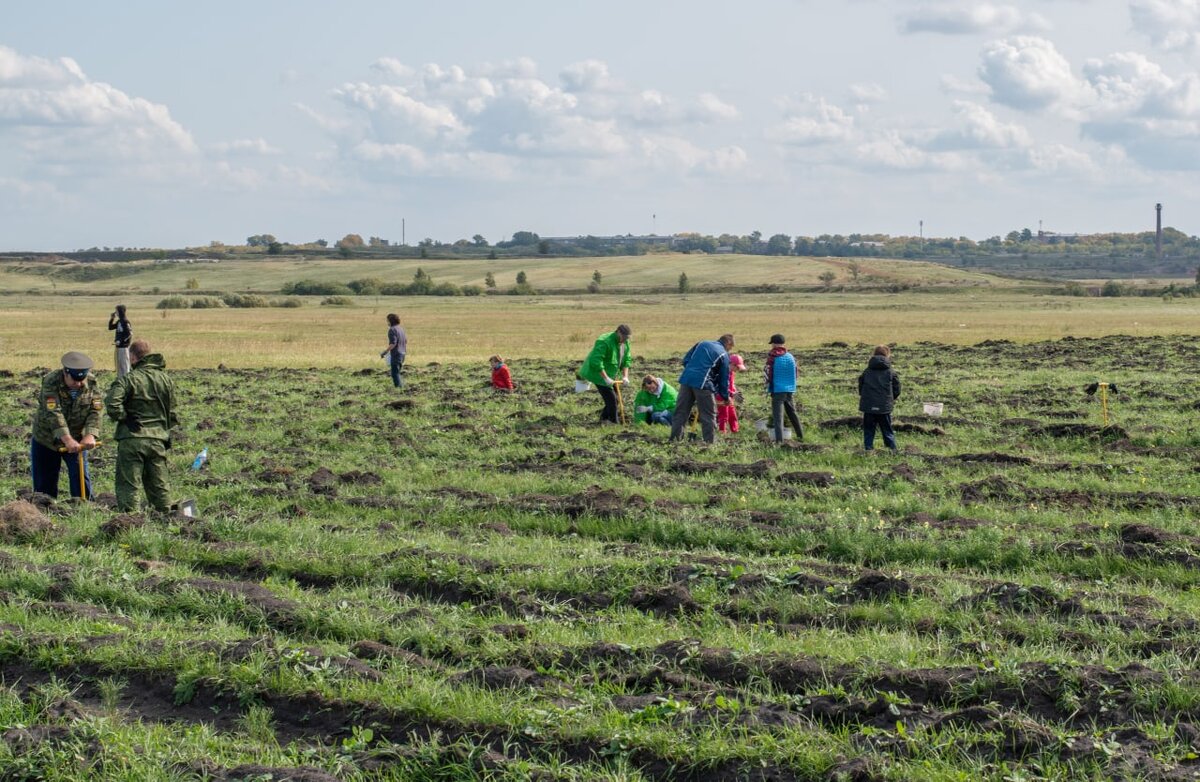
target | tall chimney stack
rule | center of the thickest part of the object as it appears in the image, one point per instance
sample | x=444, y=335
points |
x=1158, y=232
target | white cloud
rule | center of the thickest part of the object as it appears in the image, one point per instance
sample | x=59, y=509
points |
x=498, y=120
x=680, y=156
x=587, y=76
x=1029, y=73
x=953, y=85
x=971, y=19
x=980, y=129
x=1059, y=158
x=812, y=120
x=56, y=123
x=246, y=146
x=1171, y=25
x=890, y=150
x=399, y=114
x=866, y=93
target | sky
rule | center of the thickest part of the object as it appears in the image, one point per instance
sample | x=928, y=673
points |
x=151, y=124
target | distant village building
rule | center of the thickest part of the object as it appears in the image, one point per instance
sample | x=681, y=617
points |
x=1053, y=237
x=724, y=249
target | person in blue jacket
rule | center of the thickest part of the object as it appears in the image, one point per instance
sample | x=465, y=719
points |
x=705, y=379
x=781, y=372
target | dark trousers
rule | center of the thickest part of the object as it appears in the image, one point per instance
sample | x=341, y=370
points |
x=45, y=464
x=609, y=395
x=884, y=422
x=703, y=400
x=397, y=368
x=783, y=403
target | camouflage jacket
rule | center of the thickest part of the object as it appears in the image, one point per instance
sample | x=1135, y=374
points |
x=143, y=401
x=58, y=414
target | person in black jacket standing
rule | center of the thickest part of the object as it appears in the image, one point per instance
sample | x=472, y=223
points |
x=119, y=323
x=878, y=390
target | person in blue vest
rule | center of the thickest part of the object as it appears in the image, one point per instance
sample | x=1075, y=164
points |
x=705, y=379
x=781, y=373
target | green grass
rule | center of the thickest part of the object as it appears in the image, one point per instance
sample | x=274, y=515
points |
x=624, y=273
x=706, y=625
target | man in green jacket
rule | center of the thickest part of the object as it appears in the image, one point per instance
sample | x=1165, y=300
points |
x=67, y=417
x=143, y=405
x=655, y=403
x=609, y=358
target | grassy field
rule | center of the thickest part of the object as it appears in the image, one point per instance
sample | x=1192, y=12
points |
x=446, y=584
x=36, y=330
x=619, y=273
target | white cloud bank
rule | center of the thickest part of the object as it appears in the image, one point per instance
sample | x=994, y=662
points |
x=503, y=120
x=971, y=19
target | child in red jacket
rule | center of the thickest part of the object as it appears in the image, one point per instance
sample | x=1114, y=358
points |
x=727, y=412
x=501, y=377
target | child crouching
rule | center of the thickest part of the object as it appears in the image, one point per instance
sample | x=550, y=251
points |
x=501, y=377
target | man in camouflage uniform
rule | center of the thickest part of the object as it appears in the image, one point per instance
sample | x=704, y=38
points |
x=143, y=405
x=67, y=417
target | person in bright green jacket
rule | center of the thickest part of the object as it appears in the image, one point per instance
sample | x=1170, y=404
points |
x=655, y=403
x=608, y=359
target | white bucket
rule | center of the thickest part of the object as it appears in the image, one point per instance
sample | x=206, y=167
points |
x=582, y=386
x=933, y=409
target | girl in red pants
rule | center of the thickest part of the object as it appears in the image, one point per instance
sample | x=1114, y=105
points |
x=727, y=412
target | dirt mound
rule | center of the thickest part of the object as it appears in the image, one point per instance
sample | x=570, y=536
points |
x=805, y=582
x=21, y=520
x=1020, y=423
x=276, y=474
x=605, y=503
x=27, y=740
x=877, y=586
x=82, y=611
x=822, y=479
x=760, y=469
x=254, y=773
x=849, y=422
x=400, y=404
x=42, y=501
x=904, y=472
x=1090, y=431
x=993, y=457
x=255, y=595
x=958, y=522
x=1142, y=533
x=357, y=478
x=496, y=677
x=1022, y=600
x=323, y=482
x=373, y=650
x=118, y=525
x=936, y=431
x=692, y=467
x=674, y=599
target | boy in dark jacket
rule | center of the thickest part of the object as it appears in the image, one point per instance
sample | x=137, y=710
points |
x=878, y=390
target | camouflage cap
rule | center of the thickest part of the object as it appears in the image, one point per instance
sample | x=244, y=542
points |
x=77, y=364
